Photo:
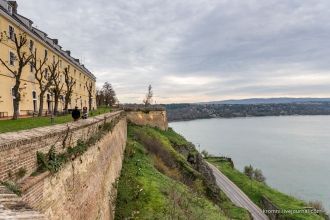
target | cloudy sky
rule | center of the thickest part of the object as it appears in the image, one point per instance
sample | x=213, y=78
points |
x=195, y=50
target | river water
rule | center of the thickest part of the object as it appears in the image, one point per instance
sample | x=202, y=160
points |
x=292, y=151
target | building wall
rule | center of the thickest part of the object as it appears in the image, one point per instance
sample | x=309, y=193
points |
x=77, y=71
x=151, y=118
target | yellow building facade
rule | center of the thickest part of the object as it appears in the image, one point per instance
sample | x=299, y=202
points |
x=13, y=23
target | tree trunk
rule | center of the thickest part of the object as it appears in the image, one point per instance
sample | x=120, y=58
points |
x=41, y=103
x=16, y=108
x=16, y=101
x=56, y=97
x=90, y=103
x=66, y=102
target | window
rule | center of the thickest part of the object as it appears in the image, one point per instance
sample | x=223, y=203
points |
x=34, y=97
x=11, y=33
x=11, y=58
x=10, y=9
x=54, y=59
x=13, y=93
x=31, y=45
x=46, y=53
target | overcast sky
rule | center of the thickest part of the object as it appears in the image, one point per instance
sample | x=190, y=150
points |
x=195, y=50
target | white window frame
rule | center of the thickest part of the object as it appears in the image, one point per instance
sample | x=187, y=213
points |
x=10, y=63
x=35, y=99
x=11, y=34
x=11, y=93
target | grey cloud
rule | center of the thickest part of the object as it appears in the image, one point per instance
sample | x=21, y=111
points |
x=242, y=44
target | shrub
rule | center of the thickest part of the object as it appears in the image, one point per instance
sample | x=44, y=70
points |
x=248, y=171
x=255, y=174
x=13, y=187
x=205, y=154
x=259, y=176
x=159, y=164
x=51, y=161
x=20, y=173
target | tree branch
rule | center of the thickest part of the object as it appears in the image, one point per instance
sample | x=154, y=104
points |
x=7, y=67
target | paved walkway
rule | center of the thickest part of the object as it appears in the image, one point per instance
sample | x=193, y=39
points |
x=236, y=195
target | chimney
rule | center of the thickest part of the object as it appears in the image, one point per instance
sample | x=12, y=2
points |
x=68, y=52
x=14, y=6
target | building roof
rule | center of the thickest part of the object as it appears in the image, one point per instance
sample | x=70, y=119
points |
x=42, y=36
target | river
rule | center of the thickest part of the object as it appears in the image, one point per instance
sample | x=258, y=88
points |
x=292, y=151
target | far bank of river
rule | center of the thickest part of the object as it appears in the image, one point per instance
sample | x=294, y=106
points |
x=292, y=151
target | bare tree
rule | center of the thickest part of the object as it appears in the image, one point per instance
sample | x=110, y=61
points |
x=89, y=87
x=109, y=94
x=21, y=55
x=43, y=78
x=148, y=99
x=57, y=84
x=99, y=97
x=69, y=84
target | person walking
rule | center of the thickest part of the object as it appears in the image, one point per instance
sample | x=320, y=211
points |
x=75, y=114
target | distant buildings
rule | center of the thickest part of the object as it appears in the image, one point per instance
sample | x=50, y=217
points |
x=11, y=24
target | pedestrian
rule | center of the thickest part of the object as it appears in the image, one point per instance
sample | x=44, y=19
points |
x=85, y=113
x=75, y=114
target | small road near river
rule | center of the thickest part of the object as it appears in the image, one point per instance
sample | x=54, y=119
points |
x=236, y=195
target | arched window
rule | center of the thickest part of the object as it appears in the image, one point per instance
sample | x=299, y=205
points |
x=34, y=95
x=34, y=98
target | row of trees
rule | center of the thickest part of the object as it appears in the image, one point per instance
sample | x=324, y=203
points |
x=48, y=76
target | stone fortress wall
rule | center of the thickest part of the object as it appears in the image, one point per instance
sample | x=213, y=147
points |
x=84, y=188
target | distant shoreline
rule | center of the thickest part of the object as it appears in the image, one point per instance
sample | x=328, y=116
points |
x=253, y=116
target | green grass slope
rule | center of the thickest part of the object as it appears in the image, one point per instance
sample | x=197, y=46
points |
x=157, y=182
x=255, y=190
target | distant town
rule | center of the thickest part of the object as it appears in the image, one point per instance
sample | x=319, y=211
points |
x=180, y=112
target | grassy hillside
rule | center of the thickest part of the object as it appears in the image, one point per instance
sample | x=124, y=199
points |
x=255, y=190
x=157, y=182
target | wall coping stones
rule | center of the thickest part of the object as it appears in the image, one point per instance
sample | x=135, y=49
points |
x=15, y=139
